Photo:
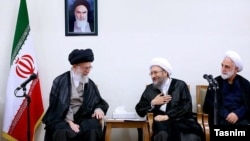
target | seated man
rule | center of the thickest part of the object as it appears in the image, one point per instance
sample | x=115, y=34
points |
x=170, y=101
x=76, y=106
x=232, y=94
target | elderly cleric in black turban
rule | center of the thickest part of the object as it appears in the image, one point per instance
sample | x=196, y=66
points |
x=80, y=55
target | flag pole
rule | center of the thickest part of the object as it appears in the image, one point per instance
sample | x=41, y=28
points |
x=28, y=99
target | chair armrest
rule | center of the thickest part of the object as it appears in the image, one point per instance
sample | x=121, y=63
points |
x=150, y=118
x=200, y=117
x=102, y=123
x=206, y=127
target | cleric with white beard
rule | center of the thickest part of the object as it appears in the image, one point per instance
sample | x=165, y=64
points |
x=232, y=94
x=81, y=9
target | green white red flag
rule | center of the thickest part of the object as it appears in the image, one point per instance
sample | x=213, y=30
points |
x=18, y=116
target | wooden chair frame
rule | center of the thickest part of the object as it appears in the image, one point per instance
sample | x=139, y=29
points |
x=202, y=118
x=150, y=118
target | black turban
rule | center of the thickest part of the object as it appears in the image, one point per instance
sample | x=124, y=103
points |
x=80, y=2
x=79, y=56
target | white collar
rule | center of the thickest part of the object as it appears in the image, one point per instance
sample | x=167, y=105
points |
x=165, y=85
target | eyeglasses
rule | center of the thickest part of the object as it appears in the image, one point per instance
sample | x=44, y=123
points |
x=85, y=68
x=154, y=72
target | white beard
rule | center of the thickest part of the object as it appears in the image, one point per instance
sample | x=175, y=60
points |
x=81, y=24
x=228, y=75
x=81, y=78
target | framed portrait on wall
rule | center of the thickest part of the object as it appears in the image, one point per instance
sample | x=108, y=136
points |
x=81, y=17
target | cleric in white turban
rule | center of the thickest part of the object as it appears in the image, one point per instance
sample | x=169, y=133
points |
x=163, y=63
x=232, y=94
x=235, y=57
x=170, y=101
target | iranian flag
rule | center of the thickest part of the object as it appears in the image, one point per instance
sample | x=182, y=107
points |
x=23, y=104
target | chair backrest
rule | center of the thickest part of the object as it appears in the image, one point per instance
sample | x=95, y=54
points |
x=200, y=96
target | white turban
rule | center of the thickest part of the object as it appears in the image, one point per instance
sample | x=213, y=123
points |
x=235, y=57
x=163, y=63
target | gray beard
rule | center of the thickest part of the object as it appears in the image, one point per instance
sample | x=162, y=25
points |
x=158, y=85
x=81, y=78
x=226, y=76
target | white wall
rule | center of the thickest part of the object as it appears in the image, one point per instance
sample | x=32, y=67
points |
x=193, y=35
